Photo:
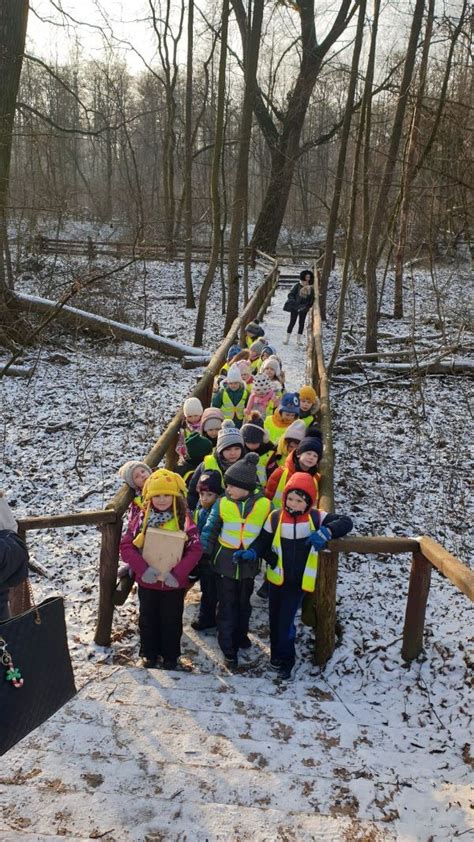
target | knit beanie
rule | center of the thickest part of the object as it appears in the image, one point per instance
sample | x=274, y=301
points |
x=270, y=350
x=243, y=473
x=307, y=393
x=253, y=431
x=257, y=347
x=126, y=471
x=159, y=482
x=192, y=406
x=273, y=363
x=233, y=374
x=290, y=402
x=244, y=366
x=197, y=447
x=296, y=431
x=312, y=444
x=212, y=419
x=254, y=329
x=233, y=351
x=261, y=384
x=228, y=436
x=210, y=481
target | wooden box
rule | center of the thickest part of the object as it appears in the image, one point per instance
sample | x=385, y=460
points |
x=163, y=548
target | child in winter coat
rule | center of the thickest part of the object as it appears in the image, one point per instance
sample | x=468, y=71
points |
x=290, y=543
x=229, y=448
x=286, y=413
x=309, y=405
x=232, y=397
x=256, y=441
x=288, y=441
x=209, y=488
x=231, y=529
x=211, y=422
x=253, y=331
x=255, y=349
x=192, y=411
x=273, y=369
x=196, y=447
x=262, y=397
x=305, y=459
x=267, y=351
x=13, y=556
x=161, y=598
x=246, y=372
x=134, y=473
x=233, y=352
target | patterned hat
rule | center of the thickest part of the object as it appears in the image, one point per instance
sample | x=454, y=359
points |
x=228, y=436
x=261, y=384
x=290, y=402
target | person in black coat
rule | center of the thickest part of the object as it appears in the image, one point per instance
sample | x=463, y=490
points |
x=301, y=299
x=13, y=557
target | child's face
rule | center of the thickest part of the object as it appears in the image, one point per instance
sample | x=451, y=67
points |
x=294, y=502
x=287, y=417
x=193, y=419
x=207, y=499
x=234, y=385
x=270, y=372
x=305, y=404
x=232, y=454
x=162, y=502
x=246, y=376
x=291, y=444
x=265, y=355
x=234, y=493
x=252, y=445
x=139, y=477
x=253, y=356
x=212, y=433
x=308, y=459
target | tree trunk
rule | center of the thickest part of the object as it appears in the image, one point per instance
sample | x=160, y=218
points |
x=13, y=20
x=241, y=179
x=341, y=162
x=379, y=214
x=188, y=165
x=410, y=164
x=215, y=196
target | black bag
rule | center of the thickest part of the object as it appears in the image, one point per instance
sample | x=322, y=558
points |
x=290, y=305
x=36, y=676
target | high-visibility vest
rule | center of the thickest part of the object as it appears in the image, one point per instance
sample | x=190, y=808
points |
x=308, y=421
x=210, y=463
x=273, y=431
x=277, y=575
x=262, y=468
x=239, y=531
x=232, y=411
x=255, y=365
x=278, y=496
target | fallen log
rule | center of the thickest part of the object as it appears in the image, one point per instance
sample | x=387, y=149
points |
x=194, y=362
x=99, y=324
x=460, y=366
x=17, y=370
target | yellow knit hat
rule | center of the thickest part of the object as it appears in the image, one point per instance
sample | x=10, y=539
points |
x=307, y=393
x=159, y=482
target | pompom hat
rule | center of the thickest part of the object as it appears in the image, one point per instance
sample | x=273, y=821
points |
x=254, y=329
x=228, y=436
x=261, y=384
x=243, y=473
x=192, y=406
x=311, y=444
x=253, y=431
x=210, y=481
x=233, y=374
x=296, y=430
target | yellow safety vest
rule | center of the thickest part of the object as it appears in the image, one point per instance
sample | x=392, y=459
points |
x=210, y=463
x=308, y=421
x=277, y=575
x=256, y=365
x=261, y=468
x=273, y=431
x=238, y=531
x=232, y=411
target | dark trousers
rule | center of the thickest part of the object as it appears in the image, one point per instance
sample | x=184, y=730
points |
x=284, y=601
x=233, y=613
x=301, y=320
x=208, y=606
x=161, y=622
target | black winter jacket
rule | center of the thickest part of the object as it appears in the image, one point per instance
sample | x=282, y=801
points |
x=13, y=566
x=303, y=302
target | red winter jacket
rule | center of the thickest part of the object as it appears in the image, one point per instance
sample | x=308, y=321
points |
x=191, y=555
x=292, y=466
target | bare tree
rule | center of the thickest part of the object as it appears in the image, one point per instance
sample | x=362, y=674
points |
x=188, y=163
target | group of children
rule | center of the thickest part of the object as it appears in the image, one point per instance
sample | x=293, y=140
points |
x=245, y=491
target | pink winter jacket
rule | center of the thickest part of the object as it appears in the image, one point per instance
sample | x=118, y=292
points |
x=191, y=555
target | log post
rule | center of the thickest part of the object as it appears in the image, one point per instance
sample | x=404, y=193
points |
x=109, y=554
x=418, y=591
x=325, y=607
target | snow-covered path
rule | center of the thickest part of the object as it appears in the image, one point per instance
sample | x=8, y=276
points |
x=368, y=750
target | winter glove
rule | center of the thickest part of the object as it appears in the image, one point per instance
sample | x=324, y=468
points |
x=171, y=581
x=244, y=555
x=319, y=539
x=150, y=576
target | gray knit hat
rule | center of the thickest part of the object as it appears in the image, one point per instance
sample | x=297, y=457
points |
x=243, y=473
x=228, y=436
x=126, y=471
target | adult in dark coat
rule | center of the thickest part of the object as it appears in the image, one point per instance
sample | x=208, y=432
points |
x=13, y=557
x=301, y=298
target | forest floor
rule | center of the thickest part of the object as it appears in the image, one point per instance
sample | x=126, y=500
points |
x=367, y=749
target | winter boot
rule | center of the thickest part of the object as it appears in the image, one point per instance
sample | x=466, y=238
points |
x=299, y=339
x=286, y=339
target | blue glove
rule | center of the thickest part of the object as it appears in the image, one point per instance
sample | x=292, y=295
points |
x=244, y=555
x=319, y=539
x=150, y=576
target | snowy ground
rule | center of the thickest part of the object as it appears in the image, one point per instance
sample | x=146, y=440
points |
x=369, y=749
